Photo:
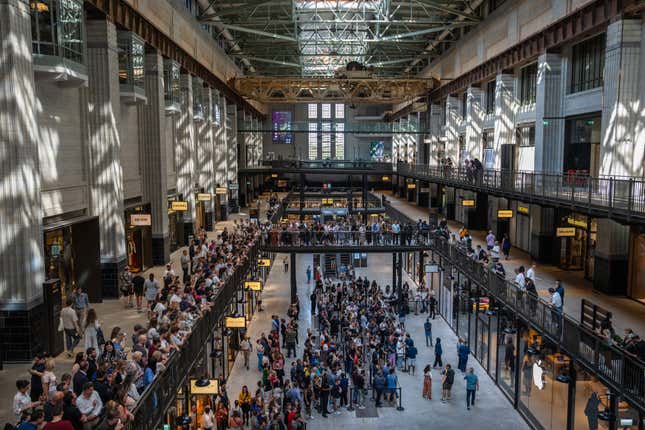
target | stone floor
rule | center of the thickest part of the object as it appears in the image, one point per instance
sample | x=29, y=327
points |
x=493, y=410
x=626, y=312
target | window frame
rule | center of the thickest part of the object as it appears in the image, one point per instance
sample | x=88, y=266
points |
x=490, y=96
x=520, y=137
x=528, y=84
x=587, y=64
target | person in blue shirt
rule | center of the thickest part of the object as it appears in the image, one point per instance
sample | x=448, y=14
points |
x=463, y=351
x=392, y=382
x=411, y=355
x=472, y=385
x=437, y=354
x=35, y=422
x=427, y=327
x=309, y=274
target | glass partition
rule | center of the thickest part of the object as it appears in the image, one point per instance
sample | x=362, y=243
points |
x=506, y=351
x=591, y=401
x=57, y=31
x=172, y=91
x=131, y=65
x=198, y=99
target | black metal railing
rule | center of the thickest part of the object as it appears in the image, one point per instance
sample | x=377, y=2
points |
x=160, y=394
x=277, y=237
x=328, y=164
x=625, y=194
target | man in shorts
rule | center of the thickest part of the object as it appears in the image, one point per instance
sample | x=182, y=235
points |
x=137, y=286
x=447, y=379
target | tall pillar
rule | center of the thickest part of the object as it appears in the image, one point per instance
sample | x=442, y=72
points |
x=622, y=145
x=155, y=179
x=205, y=158
x=231, y=152
x=453, y=119
x=504, y=116
x=549, y=122
x=394, y=271
x=184, y=154
x=21, y=237
x=105, y=172
x=474, y=123
x=436, y=132
x=543, y=238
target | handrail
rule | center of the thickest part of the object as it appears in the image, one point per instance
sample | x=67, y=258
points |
x=621, y=193
x=327, y=164
x=160, y=394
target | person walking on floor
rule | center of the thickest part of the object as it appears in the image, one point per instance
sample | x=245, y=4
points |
x=259, y=350
x=438, y=350
x=506, y=246
x=246, y=347
x=71, y=326
x=91, y=331
x=308, y=274
x=427, y=327
x=447, y=379
x=208, y=419
x=472, y=385
x=285, y=264
x=427, y=383
x=379, y=387
x=463, y=350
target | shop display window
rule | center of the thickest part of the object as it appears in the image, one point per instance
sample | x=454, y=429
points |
x=591, y=402
x=57, y=30
x=171, y=88
x=59, y=258
x=506, y=351
x=131, y=64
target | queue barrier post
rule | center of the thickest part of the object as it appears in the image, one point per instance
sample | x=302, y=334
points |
x=400, y=407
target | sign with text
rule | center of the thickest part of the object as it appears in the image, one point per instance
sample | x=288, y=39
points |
x=221, y=190
x=504, y=213
x=264, y=262
x=412, y=186
x=327, y=201
x=235, y=322
x=565, y=231
x=253, y=285
x=179, y=206
x=140, y=219
x=204, y=197
x=385, y=178
x=274, y=175
x=577, y=222
x=523, y=210
x=468, y=203
x=432, y=268
x=211, y=388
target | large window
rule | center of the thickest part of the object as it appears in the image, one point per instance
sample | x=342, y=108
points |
x=171, y=87
x=582, y=145
x=326, y=138
x=525, y=135
x=131, y=61
x=587, y=64
x=528, y=83
x=490, y=97
x=57, y=29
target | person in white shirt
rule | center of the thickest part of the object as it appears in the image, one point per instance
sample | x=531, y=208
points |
x=208, y=419
x=169, y=271
x=90, y=405
x=556, y=300
x=520, y=279
x=530, y=274
x=22, y=400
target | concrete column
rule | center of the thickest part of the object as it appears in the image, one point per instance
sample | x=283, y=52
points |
x=243, y=138
x=219, y=157
x=436, y=133
x=294, y=282
x=549, y=121
x=21, y=240
x=154, y=163
x=543, y=240
x=505, y=105
x=453, y=120
x=231, y=150
x=205, y=164
x=105, y=172
x=622, y=145
x=184, y=153
x=474, y=123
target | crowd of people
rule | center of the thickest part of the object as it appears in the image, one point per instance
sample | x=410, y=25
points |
x=110, y=374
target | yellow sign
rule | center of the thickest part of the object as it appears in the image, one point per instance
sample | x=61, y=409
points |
x=274, y=175
x=504, y=214
x=386, y=178
x=412, y=186
x=235, y=322
x=140, y=219
x=221, y=190
x=179, y=206
x=523, y=210
x=204, y=197
x=211, y=388
x=264, y=262
x=327, y=201
x=468, y=203
x=253, y=285
x=577, y=222
x=565, y=231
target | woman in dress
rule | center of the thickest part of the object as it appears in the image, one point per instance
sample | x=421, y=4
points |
x=92, y=326
x=427, y=382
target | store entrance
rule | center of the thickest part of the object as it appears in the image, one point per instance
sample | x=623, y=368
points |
x=135, y=250
x=637, y=267
x=577, y=250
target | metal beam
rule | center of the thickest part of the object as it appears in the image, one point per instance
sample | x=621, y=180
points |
x=433, y=4
x=269, y=61
x=258, y=32
x=415, y=33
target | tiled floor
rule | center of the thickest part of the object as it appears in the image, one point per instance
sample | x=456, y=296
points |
x=626, y=312
x=419, y=413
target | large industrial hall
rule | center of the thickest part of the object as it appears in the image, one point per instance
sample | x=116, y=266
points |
x=322, y=214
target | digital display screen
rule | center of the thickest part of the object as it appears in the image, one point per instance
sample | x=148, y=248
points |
x=282, y=127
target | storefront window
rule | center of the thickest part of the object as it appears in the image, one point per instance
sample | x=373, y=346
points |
x=60, y=259
x=131, y=62
x=591, y=402
x=506, y=351
x=582, y=146
x=172, y=93
x=57, y=29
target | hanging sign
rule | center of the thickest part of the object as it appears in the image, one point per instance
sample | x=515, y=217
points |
x=385, y=178
x=432, y=268
x=253, y=285
x=523, y=210
x=468, y=203
x=179, y=206
x=565, y=231
x=577, y=222
x=221, y=190
x=274, y=175
x=204, y=197
x=234, y=186
x=235, y=322
x=504, y=214
x=211, y=388
x=140, y=219
x=412, y=186
x=264, y=262
x=327, y=201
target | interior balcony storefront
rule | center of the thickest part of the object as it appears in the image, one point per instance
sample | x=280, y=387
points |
x=138, y=233
x=551, y=389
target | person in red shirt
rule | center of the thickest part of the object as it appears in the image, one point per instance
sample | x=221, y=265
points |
x=57, y=422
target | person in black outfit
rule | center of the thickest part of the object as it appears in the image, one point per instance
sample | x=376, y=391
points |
x=71, y=412
x=102, y=386
x=80, y=378
x=313, y=303
x=91, y=362
x=433, y=307
x=379, y=387
x=36, y=372
x=325, y=389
